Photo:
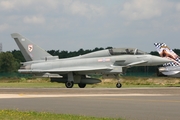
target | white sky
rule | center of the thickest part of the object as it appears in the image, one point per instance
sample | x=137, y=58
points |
x=74, y=24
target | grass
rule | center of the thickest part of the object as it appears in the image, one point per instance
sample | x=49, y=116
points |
x=32, y=115
x=106, y=83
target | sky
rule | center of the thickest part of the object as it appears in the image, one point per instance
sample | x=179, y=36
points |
x=74, y=24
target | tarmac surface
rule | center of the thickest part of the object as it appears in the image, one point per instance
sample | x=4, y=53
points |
x=128, y=103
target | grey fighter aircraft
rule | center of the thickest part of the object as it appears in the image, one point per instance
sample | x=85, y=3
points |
x=109, y=62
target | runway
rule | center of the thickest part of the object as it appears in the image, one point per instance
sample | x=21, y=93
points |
x=128, y=103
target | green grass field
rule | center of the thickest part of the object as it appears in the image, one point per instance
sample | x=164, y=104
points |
x=31, y=115
x=106, y=83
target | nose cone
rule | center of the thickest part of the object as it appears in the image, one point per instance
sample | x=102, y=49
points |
x=155, y=60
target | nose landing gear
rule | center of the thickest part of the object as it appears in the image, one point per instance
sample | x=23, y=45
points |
x=118, y=85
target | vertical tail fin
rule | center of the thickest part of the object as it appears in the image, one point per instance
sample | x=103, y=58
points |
x=165, y=51
x=29, y=50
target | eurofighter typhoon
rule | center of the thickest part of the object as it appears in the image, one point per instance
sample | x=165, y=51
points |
x=75, y=70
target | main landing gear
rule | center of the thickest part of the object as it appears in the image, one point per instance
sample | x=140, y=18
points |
x=82, y=85
x=69, y=84
x=70, y=81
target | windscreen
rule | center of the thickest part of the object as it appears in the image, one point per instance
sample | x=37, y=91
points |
x=126, y=51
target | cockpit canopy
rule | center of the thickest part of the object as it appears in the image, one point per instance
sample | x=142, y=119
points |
x=126, y=51
x=113, y=52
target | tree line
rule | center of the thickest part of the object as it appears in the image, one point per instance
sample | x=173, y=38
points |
x=10, y=60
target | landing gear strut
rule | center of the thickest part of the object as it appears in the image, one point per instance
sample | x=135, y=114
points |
x=70, y=81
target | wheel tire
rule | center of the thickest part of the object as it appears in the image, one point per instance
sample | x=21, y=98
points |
x=118, y=85
x=69, y=84
x=81, y=85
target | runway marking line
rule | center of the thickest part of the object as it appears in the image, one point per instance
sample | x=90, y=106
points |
x=72, y=95
x=6, y=96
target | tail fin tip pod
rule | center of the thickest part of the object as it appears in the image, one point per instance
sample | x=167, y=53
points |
x=30, y=50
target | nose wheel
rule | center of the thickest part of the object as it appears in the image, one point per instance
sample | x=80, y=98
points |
x=118, y=85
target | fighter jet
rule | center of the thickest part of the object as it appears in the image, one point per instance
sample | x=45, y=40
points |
x=171, y=68
x=75, y=70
